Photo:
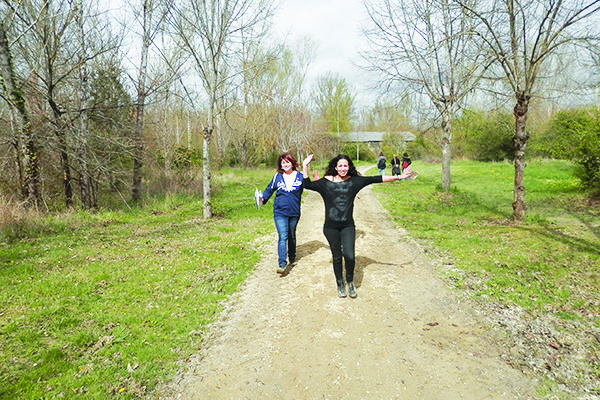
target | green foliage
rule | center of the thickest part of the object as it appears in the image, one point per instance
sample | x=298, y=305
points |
x=485, y=136
x=364, y=151
x=183, y=159
x=110, y=125
x=575, y=135
x=393, y=143
x=423, y=149
x=334, y=100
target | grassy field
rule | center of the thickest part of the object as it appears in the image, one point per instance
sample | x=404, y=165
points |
x=102, y=305
x=551, y=261
x=105, y=305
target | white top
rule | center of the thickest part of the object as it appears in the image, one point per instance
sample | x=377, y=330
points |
x=289, y=180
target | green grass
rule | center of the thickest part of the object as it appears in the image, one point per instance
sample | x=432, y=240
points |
x=99, y=305
x=550, y=262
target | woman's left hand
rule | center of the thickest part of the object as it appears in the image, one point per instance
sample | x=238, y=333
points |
x=407, y=173
x=307, y=160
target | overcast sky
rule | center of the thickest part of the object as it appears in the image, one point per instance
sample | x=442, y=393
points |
x=335, y=26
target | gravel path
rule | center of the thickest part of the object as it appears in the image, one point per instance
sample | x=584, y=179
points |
x=406, y=335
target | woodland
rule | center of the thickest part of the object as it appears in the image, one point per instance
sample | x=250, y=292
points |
x=105, y=107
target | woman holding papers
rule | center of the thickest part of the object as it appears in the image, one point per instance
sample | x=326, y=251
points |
x=287, y=187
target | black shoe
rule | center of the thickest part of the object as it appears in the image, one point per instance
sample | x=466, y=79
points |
x=341, y=289
x=351, y=290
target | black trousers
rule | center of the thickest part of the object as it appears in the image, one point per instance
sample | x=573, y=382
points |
x=341, y=242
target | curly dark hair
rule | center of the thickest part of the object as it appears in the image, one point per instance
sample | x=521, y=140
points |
x=333, y=163
x=288, y=157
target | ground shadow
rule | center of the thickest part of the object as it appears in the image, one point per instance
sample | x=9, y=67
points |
x=308, y=248
x=363, y=262
x=304, y=250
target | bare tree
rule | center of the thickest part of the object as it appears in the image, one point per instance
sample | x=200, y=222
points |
x=138, y=151
x=426, y=46
x=273, y=116
x=54, y=47
x=290, y=112
x=84, y=95
x=25, y=141
x=50, y=49
x=522, y=36
x=210, y=32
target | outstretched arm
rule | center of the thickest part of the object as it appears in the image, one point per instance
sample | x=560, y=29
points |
x=407, y=173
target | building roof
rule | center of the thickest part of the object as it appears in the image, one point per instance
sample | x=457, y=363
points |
x=373, y=137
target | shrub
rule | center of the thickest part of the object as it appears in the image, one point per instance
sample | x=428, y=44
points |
x=575, y=135
x=423, y=149
x=364, y=152
x=486, y=136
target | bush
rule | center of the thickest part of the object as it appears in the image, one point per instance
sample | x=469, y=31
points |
x=364, y=152
x=575, y=135
x=486, y=136
x=423, y=149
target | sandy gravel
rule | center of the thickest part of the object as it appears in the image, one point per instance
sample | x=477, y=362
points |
x=406, y=335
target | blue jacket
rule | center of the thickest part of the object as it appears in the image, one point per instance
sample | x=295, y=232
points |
x=286, y=203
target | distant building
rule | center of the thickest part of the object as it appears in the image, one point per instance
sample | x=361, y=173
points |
x=373, y=139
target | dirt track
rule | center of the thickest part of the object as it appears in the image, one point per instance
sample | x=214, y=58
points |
x=406, y=336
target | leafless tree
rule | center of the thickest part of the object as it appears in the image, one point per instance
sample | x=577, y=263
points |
x=56, y=40
x=24, y=141
x=210, y=31
x=150, y=15
x=84, y=96
x=290, y=111
x=138, y=152
x=425, y=46
x=522, y=36
x=272, y=116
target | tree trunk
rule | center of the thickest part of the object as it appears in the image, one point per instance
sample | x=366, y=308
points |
x=138, y=151
x=446, y=150
x=27, y=148
x=82, y=142
x=63, y=146
x=520, y=143
x=64, y=161
x=206, y=182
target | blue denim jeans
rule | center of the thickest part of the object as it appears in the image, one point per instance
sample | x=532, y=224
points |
x=286, y=245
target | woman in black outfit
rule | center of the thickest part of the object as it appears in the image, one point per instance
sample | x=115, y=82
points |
x=338, y=188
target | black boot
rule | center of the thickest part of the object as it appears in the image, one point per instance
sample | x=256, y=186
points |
x=341, y=288
x=351, y=290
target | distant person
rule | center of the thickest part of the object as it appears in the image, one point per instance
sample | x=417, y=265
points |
x=405, y=161
x=381, y=164
x=338, y=188
x=287, y=186
x=395, y=165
